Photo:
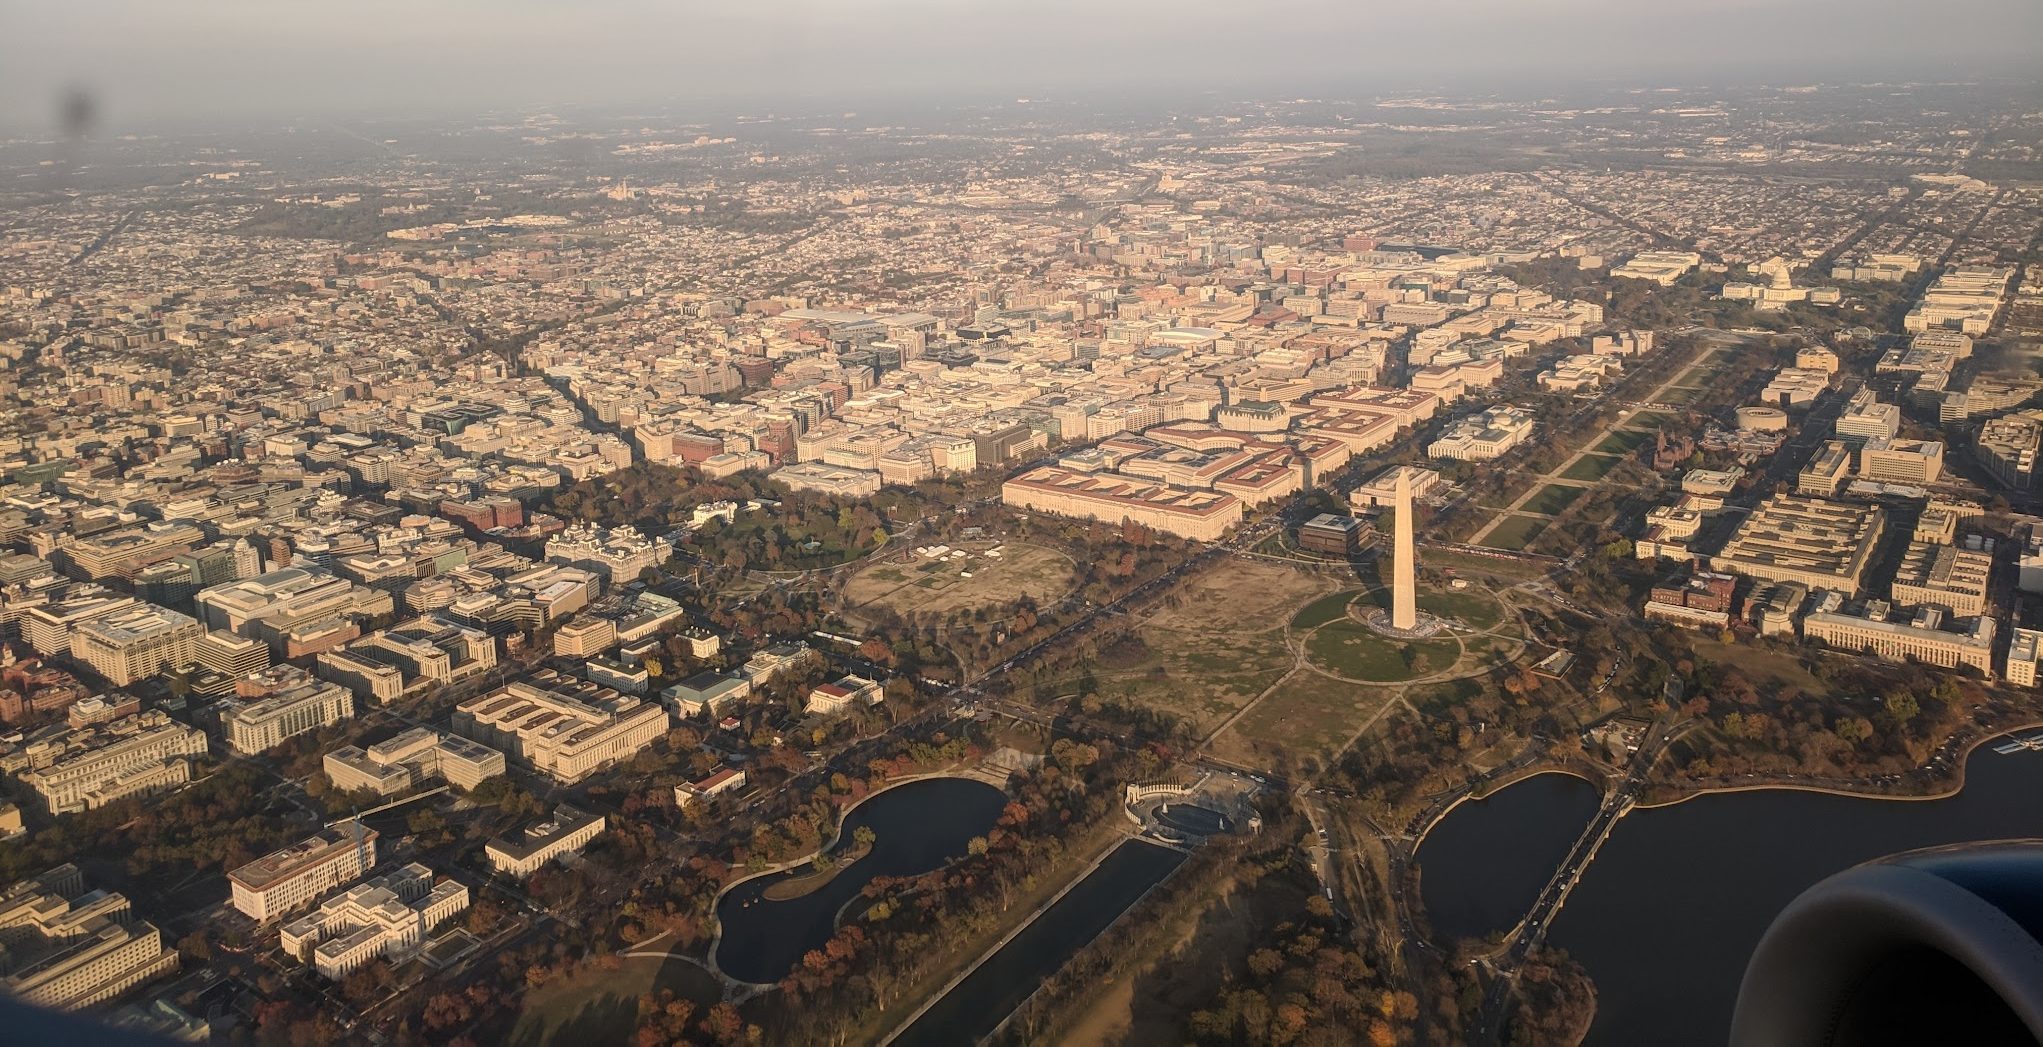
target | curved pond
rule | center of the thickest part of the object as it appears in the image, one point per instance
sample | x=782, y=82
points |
x=917, y=827
x=1482, y=866
x=1666, y=916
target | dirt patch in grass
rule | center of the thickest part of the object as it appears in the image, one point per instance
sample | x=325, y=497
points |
x=1768, y=670
x=1237, y=594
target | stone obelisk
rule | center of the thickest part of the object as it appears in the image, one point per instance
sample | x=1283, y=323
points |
x=1404, y=584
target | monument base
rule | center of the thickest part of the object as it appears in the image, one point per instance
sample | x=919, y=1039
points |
x=1427, y=625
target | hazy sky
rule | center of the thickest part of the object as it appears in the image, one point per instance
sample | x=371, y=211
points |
x=147, y=61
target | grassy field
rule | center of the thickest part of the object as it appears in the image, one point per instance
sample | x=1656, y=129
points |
x=1216, y=646
x=1308, y=715
x=599, y=1006
x=1768, y=670
x=1624, y=441
x=1472, y=607
x=1241, y=594
x=1323, y=610
x=1515, y=533
x=1591, y=467
x=1437, y=698
x=1471, y=563
x=1649, y=420
x=1552, y=499
x=922, y=584
x=1501, y=496
x=1352, y=649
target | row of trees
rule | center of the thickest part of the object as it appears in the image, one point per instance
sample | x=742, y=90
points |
x=912, y=928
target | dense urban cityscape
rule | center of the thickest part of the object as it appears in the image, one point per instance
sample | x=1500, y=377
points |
x=1014, y=573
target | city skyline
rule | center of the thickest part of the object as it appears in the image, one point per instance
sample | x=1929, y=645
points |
x=392, y=60
x=909, y=525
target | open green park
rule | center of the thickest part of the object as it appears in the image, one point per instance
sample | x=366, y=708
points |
x=1348, y=674
x=599, y=1004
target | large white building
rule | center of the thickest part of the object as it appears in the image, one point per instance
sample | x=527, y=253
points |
x=68, y=948
x=1922, y=637
x=293, y=705
x=1660, y=267
x=78, y=769
x=842, y=694
x=286, y=881
x=619, y=554
x=387, y=916
x=409, y=656
x=1790, y=538
x=1486, y=435
x=568, y=830
x=48, y=627
x=566, y=727
x=2025, y=654
x=136, y=643
x=296, y=610
x=401, y=762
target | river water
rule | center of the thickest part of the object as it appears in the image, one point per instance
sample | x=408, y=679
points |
x=1666, y=916
x=1514, y=839
x=977, y=1005
x=918, y=827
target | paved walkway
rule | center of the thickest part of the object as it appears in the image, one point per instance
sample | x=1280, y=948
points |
x=1554, y=477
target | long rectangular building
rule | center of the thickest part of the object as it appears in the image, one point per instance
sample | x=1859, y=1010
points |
x=286, y=881
x=136, y=643
x=68, y=948
x=1791, y=538
x=1936, y=575
x=1922, y=637
x=570, y=829
x=566, y=727
x=299, y=704
x=1111, y=498
x=73, y=769
x=396, y=764
x=386, y=916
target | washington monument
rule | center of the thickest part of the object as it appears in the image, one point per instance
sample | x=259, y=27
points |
x=1404, y=588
